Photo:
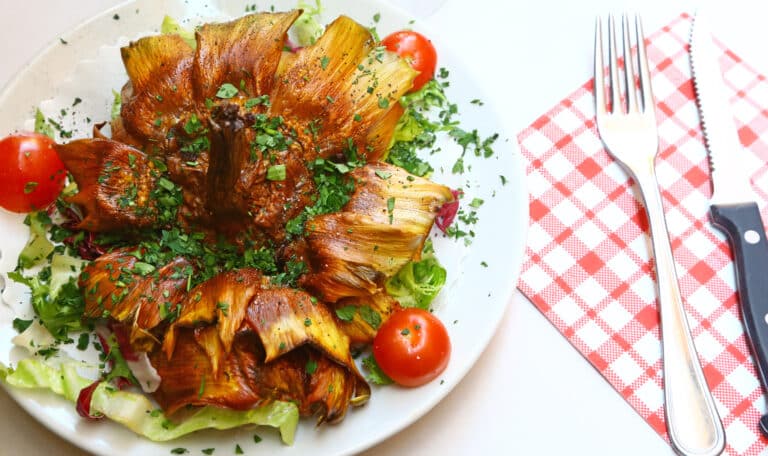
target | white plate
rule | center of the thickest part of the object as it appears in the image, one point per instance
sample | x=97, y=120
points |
x=471, y=306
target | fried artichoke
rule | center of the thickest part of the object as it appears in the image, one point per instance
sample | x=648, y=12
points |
x=221, y=138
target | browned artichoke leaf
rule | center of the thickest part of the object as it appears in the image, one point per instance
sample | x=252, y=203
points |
x=381, y=228
x=303, y=376
x=363, y=316
x=107, y=281
x=157, y=300
x=340, y=88
x=114, y=184
x=160, y=85
x=224, y=298
x=247, y=49
x=207, y=338
x=415, y=200
x=285, y=318
x=352, y=254
x=119, y=286
x=331, y=389
x=189, y=378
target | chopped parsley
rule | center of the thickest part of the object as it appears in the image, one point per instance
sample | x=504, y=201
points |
x=370, y=316
x=346, y=313
x=21, y=325
x=226, y=91
x=276, y=173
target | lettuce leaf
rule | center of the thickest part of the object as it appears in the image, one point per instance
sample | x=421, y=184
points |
x=38, y=247
x=170, y=26
x=137, y=413
x=417, y=283
x=306, y=30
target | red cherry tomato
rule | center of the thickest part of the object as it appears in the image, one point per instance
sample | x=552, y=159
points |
x=418, y=50
x=31, y=173
x=412, y=347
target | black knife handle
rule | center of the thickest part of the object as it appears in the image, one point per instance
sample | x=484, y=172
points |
x=742, y=224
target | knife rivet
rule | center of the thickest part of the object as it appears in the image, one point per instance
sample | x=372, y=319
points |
x=751, y=236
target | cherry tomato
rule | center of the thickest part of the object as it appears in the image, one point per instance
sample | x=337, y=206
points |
x=412, y=347
x=31, y=173
x=418, y=50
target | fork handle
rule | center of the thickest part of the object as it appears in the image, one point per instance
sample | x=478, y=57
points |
x=693, y=422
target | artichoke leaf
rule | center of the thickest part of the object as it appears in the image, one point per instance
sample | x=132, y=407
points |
x=160, y=83
x=224, y=297
x=114, y=183
x=340, y=89
x=353, y=254
x=247, y=49
x=354, y=316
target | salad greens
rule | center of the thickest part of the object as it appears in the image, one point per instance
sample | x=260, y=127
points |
x=417, y=283
x=55, y=296
x=136, y=412
x=170, y=26
x=306, y=30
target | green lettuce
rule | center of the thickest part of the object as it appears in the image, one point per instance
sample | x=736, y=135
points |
x=38, y=246
x=417, y=283
x=306, y=30
x=137, y=413
x=170, y=26
x=60, y=313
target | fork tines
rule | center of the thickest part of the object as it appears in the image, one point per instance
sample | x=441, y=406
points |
x=632, y=104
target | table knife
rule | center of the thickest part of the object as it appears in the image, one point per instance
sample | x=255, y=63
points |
x=733, y=207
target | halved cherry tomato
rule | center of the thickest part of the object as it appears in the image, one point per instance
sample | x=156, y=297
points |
x=412, y=347
x=31, y=173
x=418, y=50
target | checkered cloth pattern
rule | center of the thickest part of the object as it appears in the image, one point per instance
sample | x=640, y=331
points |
x=588, y=266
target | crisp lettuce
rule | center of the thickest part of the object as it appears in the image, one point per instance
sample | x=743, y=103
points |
x=306, y=30
x=55, y=297
x=170, y=26
x=137, y=413
x=117, y=103
x=61, y=313
x=415, y=131
x=417, y=283
x=38, y=247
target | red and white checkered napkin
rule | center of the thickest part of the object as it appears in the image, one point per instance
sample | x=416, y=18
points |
x=588, y=267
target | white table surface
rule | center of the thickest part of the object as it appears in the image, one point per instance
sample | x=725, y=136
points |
x=531, y=392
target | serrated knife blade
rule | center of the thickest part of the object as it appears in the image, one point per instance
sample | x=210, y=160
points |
x=733, y=208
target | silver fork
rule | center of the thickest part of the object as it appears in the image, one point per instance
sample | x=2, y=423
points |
x=628, y=131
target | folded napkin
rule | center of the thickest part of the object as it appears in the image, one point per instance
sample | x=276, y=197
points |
x=588, y=266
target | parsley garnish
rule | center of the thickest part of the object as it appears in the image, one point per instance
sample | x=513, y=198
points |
x=346, y=313
x=29, y=187
x=276, y=173
x=226, y=91
x=21, y=325
x=370, y=316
